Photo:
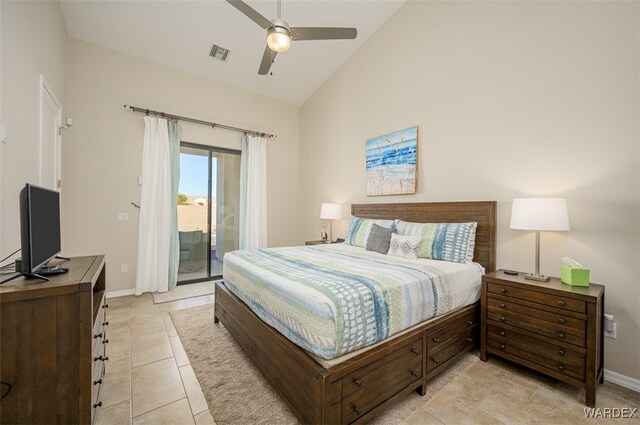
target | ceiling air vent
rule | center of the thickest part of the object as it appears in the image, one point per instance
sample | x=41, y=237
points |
x=218, y=52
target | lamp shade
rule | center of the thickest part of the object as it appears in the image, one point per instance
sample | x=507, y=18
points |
x=546, y=214
x=331, y=211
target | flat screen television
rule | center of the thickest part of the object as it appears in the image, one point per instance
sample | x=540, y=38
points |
x=39, y=227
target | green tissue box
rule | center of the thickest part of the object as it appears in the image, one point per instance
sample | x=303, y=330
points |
x=575, y=277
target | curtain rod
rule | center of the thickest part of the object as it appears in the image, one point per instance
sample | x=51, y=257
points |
x=195, y=121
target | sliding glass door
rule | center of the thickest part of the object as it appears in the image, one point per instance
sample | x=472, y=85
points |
x=208, y=210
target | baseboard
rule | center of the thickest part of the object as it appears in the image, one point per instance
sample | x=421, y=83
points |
x=123, y=293
x=622, y=380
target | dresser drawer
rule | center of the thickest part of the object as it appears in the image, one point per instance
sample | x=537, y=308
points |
x=551, y=300
x=540, y=327
x=528, y=349
x=440, y=336
x=438, y=357
x=369, y=386
x=557, y=318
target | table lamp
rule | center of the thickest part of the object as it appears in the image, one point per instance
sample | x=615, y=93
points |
x=331, y=212
x=539, y=214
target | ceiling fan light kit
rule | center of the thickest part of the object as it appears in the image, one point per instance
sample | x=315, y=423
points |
x=280, y=35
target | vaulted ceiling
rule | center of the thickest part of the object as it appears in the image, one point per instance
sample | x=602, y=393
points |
x=180, y=34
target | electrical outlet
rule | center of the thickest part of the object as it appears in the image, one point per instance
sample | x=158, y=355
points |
x=124, y=268
x=123, y=216
x=614, y=333
x=3, y=133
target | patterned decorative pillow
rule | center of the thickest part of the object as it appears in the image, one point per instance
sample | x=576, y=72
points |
x=404, y=246
x=442, y=241
x=379, y=239
x=359, y=230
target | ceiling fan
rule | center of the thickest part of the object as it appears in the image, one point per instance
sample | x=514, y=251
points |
x=280, y=34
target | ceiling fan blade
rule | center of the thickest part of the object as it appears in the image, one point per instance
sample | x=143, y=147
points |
x=320, y=33
x=251, y=13
x=267, y=59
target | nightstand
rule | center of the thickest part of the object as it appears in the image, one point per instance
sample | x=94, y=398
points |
x=550, y=327
x=323, y=242
x=315, y=242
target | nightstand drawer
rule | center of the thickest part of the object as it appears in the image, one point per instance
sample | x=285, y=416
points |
x=551, y=300
x=523, y=350
x=441, y=336
x=532, y=324
x=558, y=353
x=558, y=319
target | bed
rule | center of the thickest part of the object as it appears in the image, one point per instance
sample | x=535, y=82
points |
x=325, y=370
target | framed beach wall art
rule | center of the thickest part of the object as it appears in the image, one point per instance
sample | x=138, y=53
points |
x=392, y=163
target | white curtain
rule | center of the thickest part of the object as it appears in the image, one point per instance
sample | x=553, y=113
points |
x=154, y=234
x=253, y=193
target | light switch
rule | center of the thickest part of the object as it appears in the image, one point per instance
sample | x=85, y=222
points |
x=123, y=216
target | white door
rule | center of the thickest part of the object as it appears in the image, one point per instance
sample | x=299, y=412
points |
x=50, y=146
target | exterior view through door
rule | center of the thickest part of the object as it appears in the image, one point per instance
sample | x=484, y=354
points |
x=208, y=210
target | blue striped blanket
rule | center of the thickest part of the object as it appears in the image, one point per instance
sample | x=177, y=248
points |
x=334, y=299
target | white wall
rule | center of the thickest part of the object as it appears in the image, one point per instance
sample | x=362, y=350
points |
x=513, y=99
x=103, y=150
x=33, y=38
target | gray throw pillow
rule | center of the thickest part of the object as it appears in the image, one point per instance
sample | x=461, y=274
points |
x=379, y=239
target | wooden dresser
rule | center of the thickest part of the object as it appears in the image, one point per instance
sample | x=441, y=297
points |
x=551, y=327
x=53, y=345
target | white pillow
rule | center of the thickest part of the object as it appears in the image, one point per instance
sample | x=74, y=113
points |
x=404, y=246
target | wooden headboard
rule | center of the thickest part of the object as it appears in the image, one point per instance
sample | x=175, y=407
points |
x=482, y=212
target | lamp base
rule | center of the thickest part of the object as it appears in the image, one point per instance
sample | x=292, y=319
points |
x=538, y=277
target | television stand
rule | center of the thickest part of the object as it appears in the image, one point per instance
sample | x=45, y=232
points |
x=35, y=276
x=54, y=343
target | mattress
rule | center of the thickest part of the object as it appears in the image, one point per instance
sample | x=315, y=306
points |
x=335, y=299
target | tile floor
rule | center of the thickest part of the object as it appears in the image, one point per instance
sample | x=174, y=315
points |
x=149, y=381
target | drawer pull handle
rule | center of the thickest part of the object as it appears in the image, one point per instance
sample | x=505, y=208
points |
x=561, y=352
x=355, y=409
x=561, y=303
x=501, y=318
x=561, y=321
x=502, y=333
x=503, y=290
x=98, y=404
x=105, y=305
x=95, y=359
x=106, y=341
x=469, y=339
x=502, y=346
x=96, y=336
x=436, y=340
x=106, y=359
x=502, y=306
x=99, y=381
x=105, y=323
x=470, y=322
x=357, y=382
x=415, y=351
x=415, y=374
x=436, y=361
x=561, y=335
x=560, y=368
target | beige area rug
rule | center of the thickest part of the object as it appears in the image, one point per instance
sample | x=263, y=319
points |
x=185, y=291
x=236, y=391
